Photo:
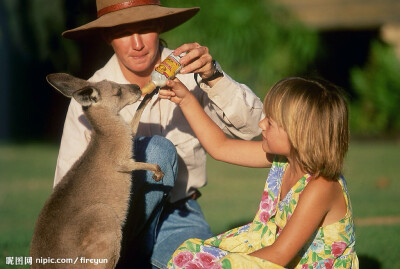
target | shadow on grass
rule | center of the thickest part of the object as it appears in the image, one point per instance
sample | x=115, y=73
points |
x=368, y=262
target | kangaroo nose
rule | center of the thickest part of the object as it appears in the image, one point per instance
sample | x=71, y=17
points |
x=133, y=88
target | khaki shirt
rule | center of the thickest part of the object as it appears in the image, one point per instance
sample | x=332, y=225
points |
x=233, y=106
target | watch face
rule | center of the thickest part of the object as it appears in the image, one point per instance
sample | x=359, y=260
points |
x=218, y=69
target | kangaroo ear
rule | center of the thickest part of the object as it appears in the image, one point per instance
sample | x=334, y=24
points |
x=65, y=83
x=87, y=96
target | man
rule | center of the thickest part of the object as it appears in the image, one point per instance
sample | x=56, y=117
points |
x=163, y=215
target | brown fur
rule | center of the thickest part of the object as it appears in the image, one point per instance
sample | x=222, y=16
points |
x=84, y=215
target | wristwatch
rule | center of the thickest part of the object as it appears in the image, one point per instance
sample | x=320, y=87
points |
x=217, y=71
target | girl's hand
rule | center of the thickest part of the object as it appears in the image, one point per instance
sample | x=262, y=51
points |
x=175, y=91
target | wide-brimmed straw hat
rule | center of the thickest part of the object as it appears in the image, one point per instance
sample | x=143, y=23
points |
x=111, y=13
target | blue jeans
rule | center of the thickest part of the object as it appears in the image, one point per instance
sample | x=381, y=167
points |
x=154, y=227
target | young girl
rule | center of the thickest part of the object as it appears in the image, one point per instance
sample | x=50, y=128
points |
x=304, y=219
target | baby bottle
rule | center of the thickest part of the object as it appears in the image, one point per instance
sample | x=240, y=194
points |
x=165, y=71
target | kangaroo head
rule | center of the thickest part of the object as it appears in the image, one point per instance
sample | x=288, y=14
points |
x=104, y=93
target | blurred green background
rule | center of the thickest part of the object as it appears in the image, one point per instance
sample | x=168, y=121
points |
x=257, y=43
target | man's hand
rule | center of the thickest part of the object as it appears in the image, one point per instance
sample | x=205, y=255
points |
x=197, y=60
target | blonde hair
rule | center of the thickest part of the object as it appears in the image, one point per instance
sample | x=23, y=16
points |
x=314, y=114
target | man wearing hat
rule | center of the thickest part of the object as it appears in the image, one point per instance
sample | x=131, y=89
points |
x=162, y=215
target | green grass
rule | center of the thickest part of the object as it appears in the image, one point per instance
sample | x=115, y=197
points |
x=26, y=173
x=229, y=200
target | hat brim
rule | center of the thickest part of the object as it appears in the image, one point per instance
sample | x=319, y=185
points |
x=170, y=17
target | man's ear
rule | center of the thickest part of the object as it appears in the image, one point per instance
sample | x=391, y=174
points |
x=87, y=96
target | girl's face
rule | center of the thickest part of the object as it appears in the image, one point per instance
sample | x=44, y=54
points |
x=136, y=47
x=275, y=138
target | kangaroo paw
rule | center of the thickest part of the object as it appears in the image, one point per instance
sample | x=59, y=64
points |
x=158, y=174
x=131, y=165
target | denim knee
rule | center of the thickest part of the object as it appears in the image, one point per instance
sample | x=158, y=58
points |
x=163, y=147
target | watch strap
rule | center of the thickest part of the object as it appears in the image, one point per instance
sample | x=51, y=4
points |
x=217, y=71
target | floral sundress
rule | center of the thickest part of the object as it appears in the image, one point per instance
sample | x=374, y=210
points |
x=331, y=246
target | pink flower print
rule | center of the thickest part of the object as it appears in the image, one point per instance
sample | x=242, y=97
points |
x=275, y=202
x=264, y=217
x=304, y=266
x=207, y=260
x=183, y=258
x=326, y=264
x=204, y=261
x=266, y=202
x=266, y=205
x=193, y=265
x=329, y=263
x=264, y=196
x=338, y=248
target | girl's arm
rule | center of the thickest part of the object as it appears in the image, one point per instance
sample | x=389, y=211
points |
x=211, y=137
x=232, y=105
x=321, y=203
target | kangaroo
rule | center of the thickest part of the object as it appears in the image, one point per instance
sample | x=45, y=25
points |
x=83, y=217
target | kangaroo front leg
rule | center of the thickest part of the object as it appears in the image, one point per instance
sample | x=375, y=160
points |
x=131, y=165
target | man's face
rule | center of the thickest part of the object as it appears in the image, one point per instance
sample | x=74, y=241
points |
x=136, y=46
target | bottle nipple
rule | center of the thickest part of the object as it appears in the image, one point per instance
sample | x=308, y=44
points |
x=148, y=88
